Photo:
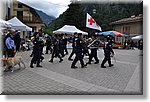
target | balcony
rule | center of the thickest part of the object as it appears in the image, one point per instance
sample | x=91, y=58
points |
x=26, y=19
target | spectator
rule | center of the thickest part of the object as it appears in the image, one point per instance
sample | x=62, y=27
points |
x=10, y=44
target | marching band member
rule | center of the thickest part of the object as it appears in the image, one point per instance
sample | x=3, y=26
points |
x=78, y=49
x=94, y=47
x=107, y=52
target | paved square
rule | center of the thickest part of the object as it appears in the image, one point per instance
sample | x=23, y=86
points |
x=58, y=78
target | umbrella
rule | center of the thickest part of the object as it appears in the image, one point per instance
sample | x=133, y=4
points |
x=125, y=35
x=112, y=33
x=106, y=33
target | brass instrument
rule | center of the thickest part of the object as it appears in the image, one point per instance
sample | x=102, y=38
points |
x=90, y=45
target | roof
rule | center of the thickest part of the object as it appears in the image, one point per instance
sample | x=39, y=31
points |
x=128, y=20
x=32, y=10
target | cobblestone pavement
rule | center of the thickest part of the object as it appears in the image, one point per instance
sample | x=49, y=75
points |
x=58, y=78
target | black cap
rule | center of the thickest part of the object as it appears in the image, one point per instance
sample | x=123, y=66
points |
x=75, y=33
x=79, y=33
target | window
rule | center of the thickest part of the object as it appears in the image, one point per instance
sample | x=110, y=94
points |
x=19, y=5
x=8, y=13
x=20, y=15
x=126, y=30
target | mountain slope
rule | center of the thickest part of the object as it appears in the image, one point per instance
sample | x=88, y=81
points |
x=45, y=18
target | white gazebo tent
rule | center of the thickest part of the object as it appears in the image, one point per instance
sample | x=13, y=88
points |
x=18, y=25
x=4, y=23
x=68, y=29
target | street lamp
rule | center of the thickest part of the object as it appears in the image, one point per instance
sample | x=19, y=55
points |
x=94, y=11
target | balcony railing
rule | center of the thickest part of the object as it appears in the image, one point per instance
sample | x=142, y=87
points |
x=31, y=20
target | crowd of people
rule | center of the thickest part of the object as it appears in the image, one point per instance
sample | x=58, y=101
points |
x=56, y=45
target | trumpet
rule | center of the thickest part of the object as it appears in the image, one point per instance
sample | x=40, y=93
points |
x=89, y=46
x=92, y=42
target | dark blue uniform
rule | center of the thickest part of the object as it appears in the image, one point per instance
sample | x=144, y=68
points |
x=78, y=50
x=65, y=45
x=56, y=51
x=73, y=49
x=85, y=48
x=107, y=52
x=94, y=48
x=61, y=47
x=48, y=45
x=36, y=53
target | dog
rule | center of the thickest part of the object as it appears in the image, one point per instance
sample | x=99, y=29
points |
x=12, y=62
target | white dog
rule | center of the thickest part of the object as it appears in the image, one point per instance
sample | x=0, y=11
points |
x=13, y=61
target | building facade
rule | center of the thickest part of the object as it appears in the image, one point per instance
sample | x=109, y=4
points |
x=131, y=26
x=6, y=9
x=27, y=15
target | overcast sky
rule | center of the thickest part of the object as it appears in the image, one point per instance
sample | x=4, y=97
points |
x=57, y=7
x=50, y=7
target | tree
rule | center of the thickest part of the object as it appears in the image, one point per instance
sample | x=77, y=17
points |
x=75, y=16
x=105, y=14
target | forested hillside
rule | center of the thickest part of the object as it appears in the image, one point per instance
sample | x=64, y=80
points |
x=103, y=14
x=45, y=18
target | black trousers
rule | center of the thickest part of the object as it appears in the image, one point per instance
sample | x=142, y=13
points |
x=10, y=53
x=55, y=53
x=86, y=52
x=61, y=50
x=48, y=48
x=17, y=47
x=78, y=57
x=66, y=49
x=106, y=58
x=36, y=56
x=72, y=53
x=93, y=54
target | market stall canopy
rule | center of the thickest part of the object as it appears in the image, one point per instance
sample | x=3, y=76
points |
x=68, y=29
x=4, y=23
x=28, y=28
x=139, y=37
x=18, y=25
x=112, y=33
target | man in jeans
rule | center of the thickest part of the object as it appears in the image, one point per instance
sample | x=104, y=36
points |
x=10, y=44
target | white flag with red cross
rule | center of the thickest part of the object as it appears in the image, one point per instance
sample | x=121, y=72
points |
x=90, y=23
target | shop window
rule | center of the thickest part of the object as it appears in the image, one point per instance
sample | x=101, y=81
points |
x=126, y=30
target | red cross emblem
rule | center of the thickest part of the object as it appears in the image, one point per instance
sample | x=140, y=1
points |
x=91, y=21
